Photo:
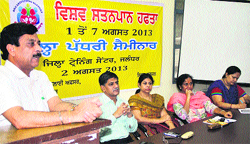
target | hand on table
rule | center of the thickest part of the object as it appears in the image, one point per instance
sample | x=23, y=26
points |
x=228, y=114
x=88, y=110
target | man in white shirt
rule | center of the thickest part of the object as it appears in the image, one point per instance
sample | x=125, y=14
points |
x=116, y=110
x=27, y=96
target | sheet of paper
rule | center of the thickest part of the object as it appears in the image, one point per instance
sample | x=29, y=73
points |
x=217, y=120
x=245, y=111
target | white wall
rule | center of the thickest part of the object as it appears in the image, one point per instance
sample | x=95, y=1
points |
x=215, y=35
x=166, y=88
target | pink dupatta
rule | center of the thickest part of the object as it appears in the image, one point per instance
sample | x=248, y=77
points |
x=196, y=101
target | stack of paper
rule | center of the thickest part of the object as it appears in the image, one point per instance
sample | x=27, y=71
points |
x=217, y=120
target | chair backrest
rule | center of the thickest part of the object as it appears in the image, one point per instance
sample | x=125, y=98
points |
x=140, y=133
x=176, y=120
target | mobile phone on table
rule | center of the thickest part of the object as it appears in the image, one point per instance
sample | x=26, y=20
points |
x=171, y=134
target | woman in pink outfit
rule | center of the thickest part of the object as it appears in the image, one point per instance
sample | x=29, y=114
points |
x=191, y=106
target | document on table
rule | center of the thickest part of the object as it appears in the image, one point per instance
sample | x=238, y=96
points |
x=245, y=111
x=217, y=119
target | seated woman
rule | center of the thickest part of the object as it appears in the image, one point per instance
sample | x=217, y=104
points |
x=225, y=93
x=191, y=106
x=149, y=109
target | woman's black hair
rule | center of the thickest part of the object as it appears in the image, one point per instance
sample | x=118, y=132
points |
x=142, y=77
x=181, y=79
x=231, y=70
x=137, y=91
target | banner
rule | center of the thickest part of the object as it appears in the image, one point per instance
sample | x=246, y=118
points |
x=83, y=39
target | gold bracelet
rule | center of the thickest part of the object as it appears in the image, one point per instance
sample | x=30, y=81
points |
x=60, y=117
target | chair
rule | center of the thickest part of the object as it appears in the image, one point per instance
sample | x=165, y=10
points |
x=176, y=120
x=143, y=130
x=136, y=135
x=180, y=121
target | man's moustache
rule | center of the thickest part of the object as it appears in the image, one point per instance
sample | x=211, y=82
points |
x=37, y=55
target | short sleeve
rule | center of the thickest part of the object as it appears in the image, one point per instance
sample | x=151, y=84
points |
x=133, y=103
x=134, y=106
x=216, y=91
x=8, y=96
x=241, y=92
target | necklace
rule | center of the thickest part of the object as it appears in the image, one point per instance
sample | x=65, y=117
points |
x=149, y=98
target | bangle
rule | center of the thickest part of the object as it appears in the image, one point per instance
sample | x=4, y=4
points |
x=222, y=111
x=245, y=100
x=60, y=117
x=231, y=106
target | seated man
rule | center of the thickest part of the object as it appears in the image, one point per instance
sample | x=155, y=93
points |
x=27, y=96
x=115, y=109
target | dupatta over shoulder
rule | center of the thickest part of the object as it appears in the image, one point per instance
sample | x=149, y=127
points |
x=196, y=100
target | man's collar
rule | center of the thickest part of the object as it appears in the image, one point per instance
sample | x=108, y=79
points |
x=106, y=99
x=20, y=74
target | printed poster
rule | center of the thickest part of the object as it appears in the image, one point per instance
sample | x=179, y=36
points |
x=83, y=39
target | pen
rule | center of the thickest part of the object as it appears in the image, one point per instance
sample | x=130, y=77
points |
x=241, y=101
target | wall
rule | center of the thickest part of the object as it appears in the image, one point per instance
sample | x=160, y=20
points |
x=209, y=26
x=166, y=88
